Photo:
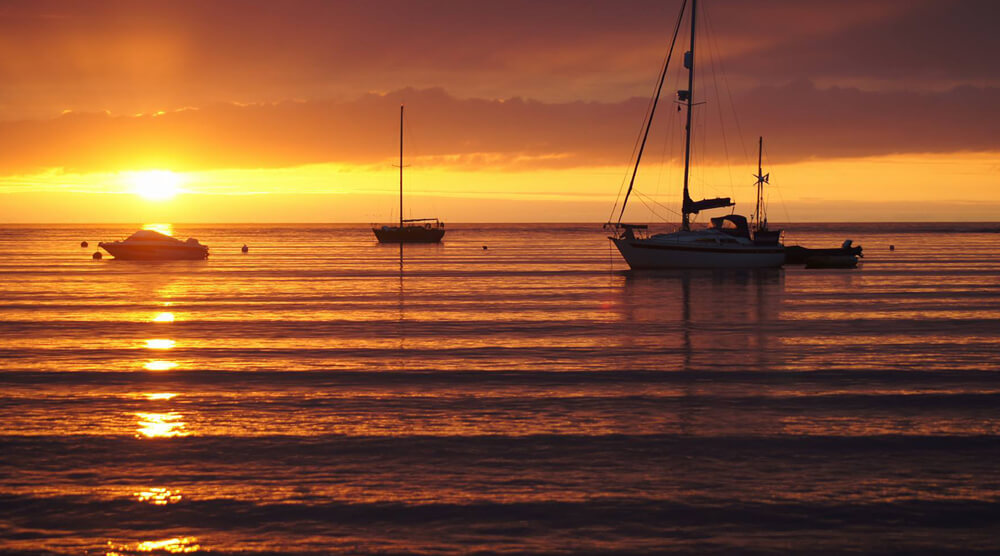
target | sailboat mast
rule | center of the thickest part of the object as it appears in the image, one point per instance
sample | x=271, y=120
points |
x=689, y=63
x=400, y=166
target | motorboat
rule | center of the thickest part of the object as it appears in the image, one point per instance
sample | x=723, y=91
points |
x=409, y=230
x=731, y=241
x=845, y=256
x=154, y=246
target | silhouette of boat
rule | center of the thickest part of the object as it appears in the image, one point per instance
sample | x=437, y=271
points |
x=845, y=256
x=154, y=246
x=730, y=242
x=409, y=230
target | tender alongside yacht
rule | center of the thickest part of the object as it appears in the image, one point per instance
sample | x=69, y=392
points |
x=730, y=242
x=150, y=245
x=409, y=230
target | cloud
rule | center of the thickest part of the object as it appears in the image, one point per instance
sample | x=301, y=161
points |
x=916, y=44
x=799, y=120
x=130, y=57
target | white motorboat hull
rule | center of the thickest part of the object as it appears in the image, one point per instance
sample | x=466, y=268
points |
x=652, y=254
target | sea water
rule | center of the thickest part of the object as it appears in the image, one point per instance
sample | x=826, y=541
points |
x=513, y=389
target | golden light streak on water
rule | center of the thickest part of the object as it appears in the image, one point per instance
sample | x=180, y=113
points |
x=159, y=365
x=164, y=317
x=160, y=425
x=176, y=545
x=153, y=396
x=160, y=343
x=158, y=496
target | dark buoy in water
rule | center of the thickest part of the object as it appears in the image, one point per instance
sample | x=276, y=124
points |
x=84, y=244
x=484, y=248
x=97, y=255
x=244, y=248
x=892, y=248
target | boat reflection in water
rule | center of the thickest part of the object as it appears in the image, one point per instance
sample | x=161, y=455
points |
x=149, y=245
x=702, y=313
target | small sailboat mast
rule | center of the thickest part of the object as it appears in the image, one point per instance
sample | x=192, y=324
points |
x=401, y=166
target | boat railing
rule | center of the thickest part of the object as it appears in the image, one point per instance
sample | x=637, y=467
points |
x=628, y=231
x=437, y=222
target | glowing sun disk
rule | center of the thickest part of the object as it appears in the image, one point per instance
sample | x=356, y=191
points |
x=155, y=185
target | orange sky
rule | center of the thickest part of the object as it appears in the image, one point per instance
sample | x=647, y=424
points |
x=516, y=110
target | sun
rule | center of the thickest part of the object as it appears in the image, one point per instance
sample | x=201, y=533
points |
x=155, y=185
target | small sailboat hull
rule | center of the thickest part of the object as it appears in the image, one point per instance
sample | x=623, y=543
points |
x=408, y=234
x=642, y=254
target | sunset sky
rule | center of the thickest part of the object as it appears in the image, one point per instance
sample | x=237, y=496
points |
x=257, y=111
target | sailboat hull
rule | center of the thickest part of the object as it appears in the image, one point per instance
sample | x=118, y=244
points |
x=651, y=254
x=408, y=234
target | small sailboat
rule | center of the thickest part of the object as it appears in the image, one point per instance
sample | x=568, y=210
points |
x=729, y=242
x=409, y=230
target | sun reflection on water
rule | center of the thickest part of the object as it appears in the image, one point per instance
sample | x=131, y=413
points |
x=153, y=396
x=176, y=545
x=160, y=343
x=161, y=425
x=164, y=317
x=158, y=496
x=159, y=365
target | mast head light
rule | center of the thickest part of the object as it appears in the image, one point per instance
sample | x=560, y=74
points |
x=688, y=59
x=683, y=95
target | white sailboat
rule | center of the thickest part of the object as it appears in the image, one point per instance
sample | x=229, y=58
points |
x=729, y=242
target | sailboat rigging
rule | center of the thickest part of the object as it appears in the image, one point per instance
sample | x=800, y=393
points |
x=729, y=242
x=409, y=230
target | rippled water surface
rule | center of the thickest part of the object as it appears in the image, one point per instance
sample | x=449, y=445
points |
x=514, y=389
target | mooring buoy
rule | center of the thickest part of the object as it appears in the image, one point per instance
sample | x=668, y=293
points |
x=97, y=255
x=84, y=244
x=244, y=248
